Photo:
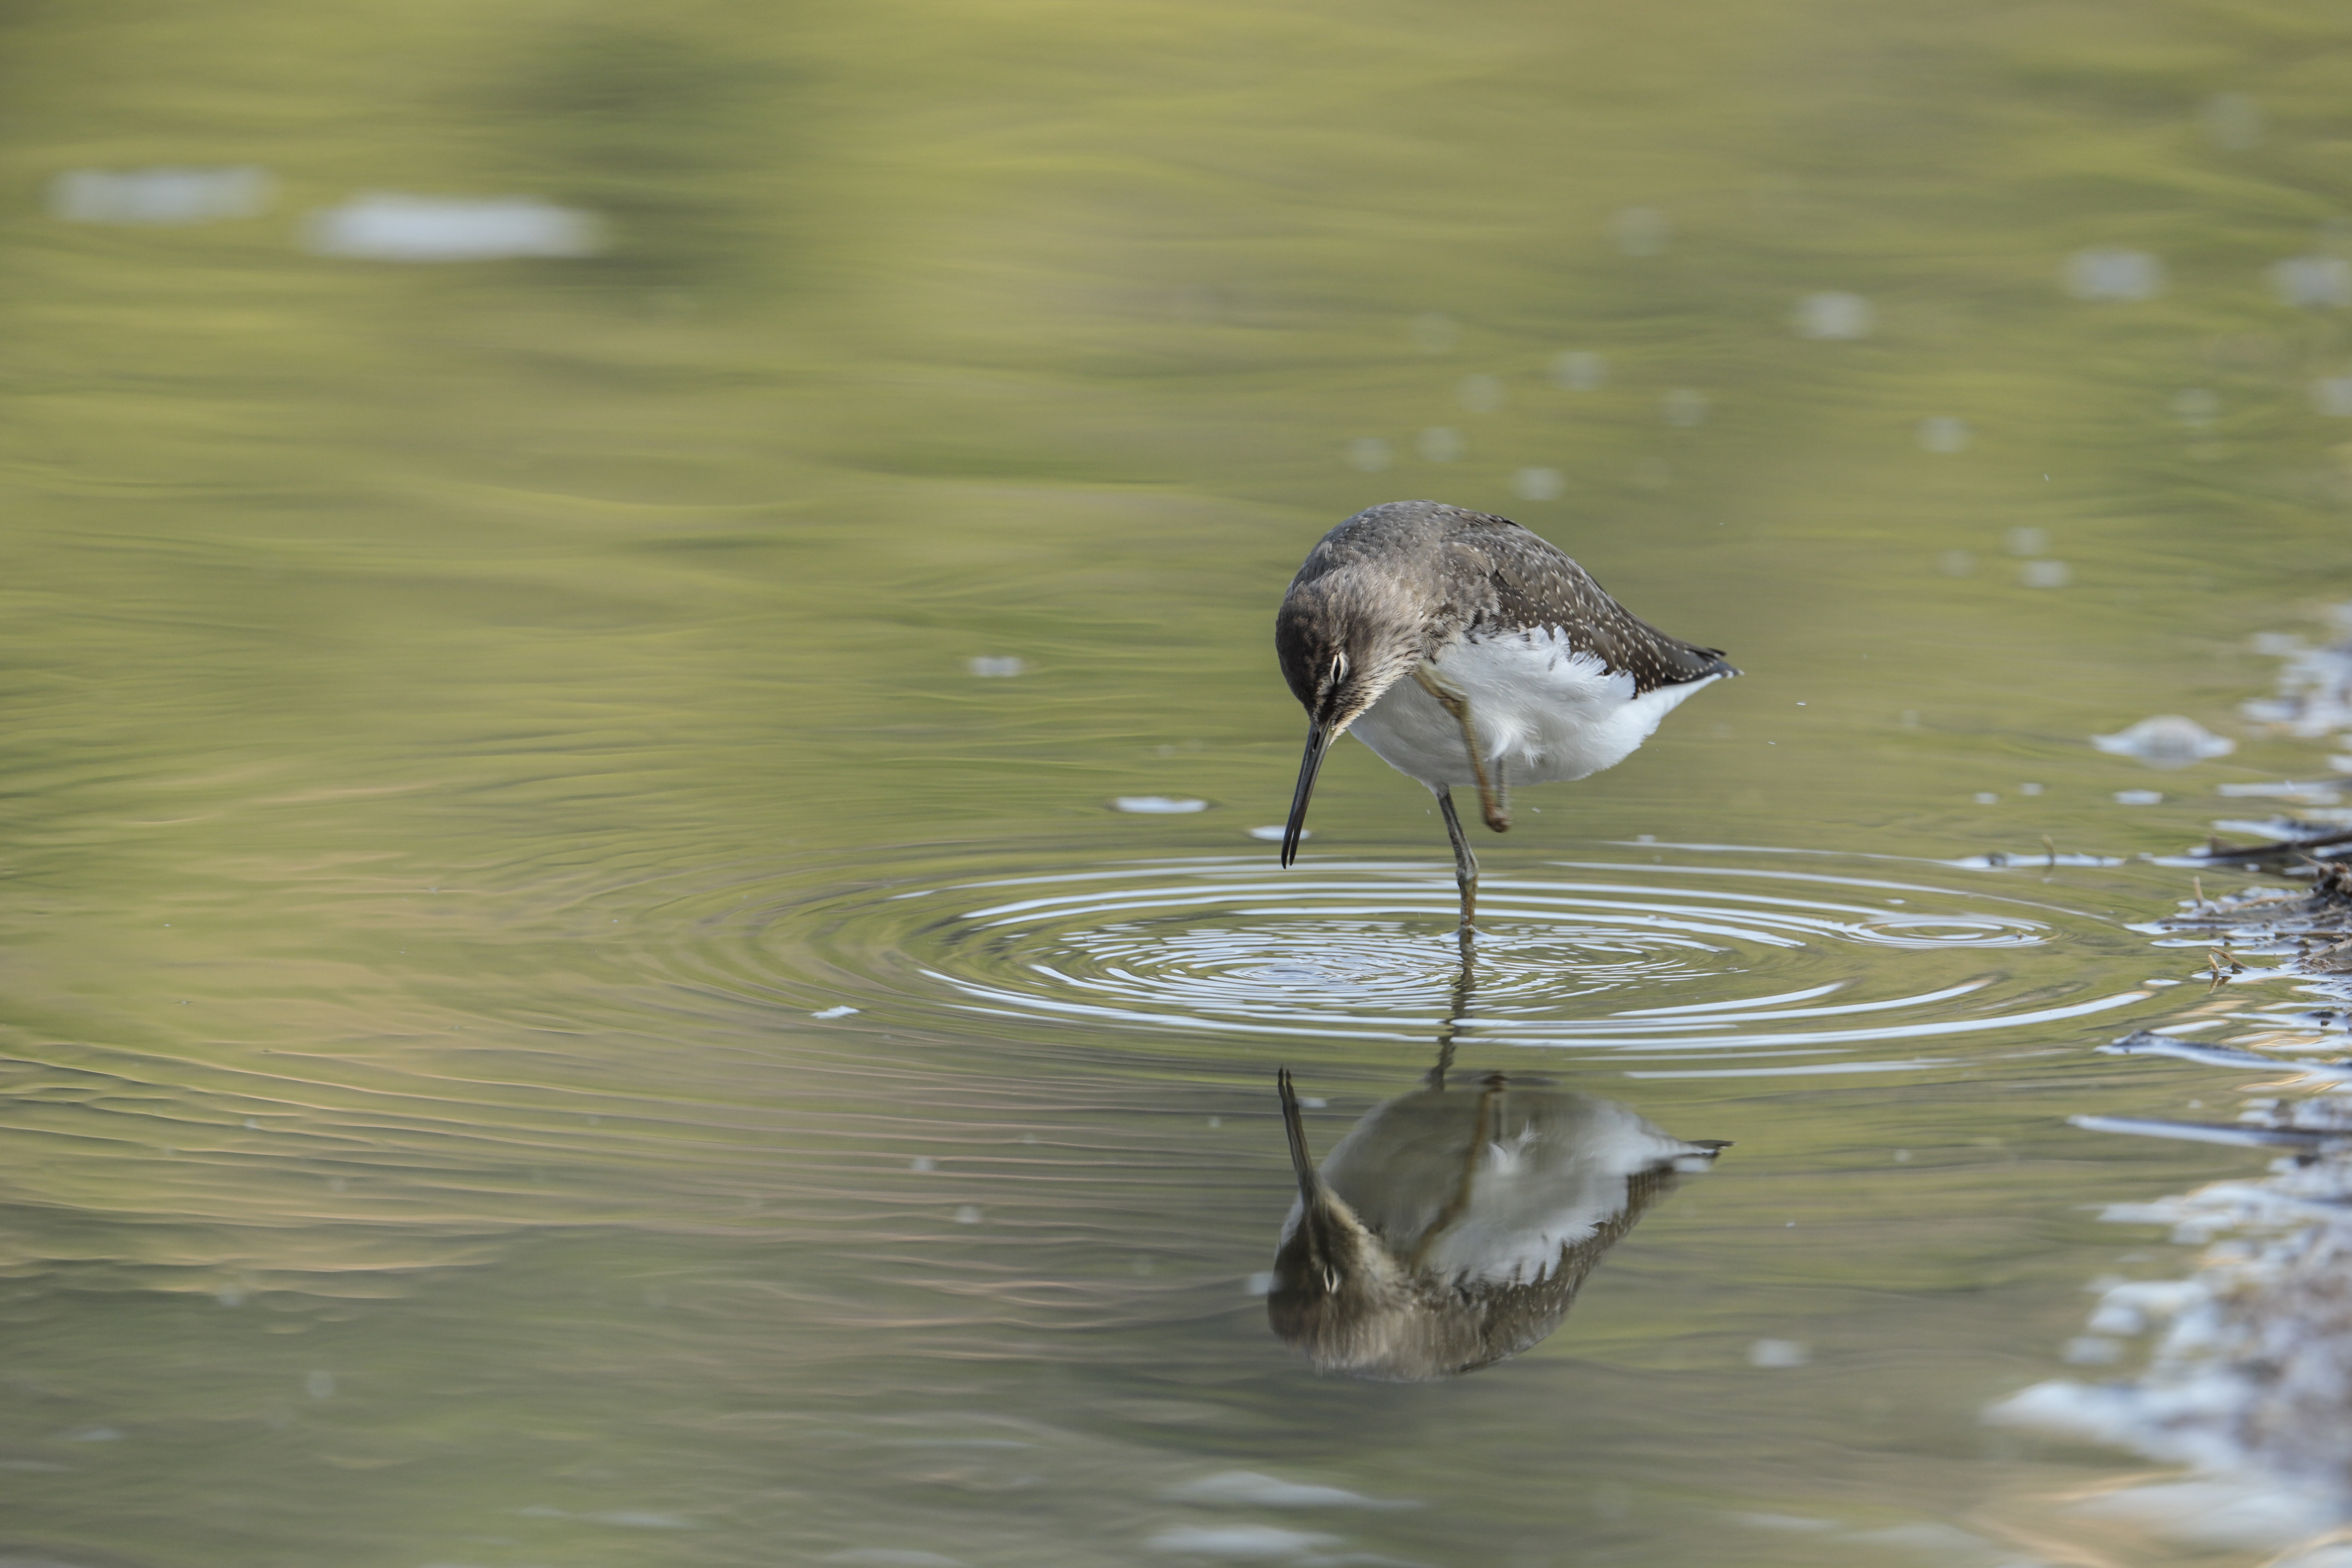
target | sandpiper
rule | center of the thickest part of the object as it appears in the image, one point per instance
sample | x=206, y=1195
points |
x=1465, y=650
x=1452, y=1229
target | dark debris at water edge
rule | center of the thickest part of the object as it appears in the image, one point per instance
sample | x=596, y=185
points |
x=2248, y=1376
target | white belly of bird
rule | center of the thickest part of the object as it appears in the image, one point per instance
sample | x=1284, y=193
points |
x=1498, y=1196
x=1544, y=711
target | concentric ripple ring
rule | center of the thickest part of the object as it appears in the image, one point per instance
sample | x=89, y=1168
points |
x=1689, y=964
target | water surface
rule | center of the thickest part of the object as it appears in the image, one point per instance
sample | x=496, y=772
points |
x=477, y=725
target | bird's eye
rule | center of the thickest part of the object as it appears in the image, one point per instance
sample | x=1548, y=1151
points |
x=1338, y=666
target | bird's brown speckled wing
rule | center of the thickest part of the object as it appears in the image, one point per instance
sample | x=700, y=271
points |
x=1533, y=583
x=1519, y=1315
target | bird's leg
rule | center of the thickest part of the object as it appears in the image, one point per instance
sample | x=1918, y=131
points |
x=1465, y=869
x=1466, y=982
x=1494, y=803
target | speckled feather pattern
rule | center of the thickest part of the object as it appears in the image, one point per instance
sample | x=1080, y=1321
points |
x=1453, y=1229
x=1447, y=573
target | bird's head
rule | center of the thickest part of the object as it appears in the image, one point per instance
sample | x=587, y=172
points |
x=1344, y=638
x=1338, y=1294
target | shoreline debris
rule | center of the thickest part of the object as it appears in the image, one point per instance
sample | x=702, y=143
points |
x=2249, y=1375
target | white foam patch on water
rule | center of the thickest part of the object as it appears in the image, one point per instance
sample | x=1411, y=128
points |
x=2314, y=686
x=383, y=226
x=1580, y=370
x=1249, y=1488
x=1832, y=315
x=1795, y=1524
x=2113, y=274
x=2311, y=281
x=2313, y=794
x=2166, y=741
x=159, y=196
x=1942, y=432
x=1240, y=1542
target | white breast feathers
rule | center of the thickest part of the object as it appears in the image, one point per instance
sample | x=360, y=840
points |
x=1544, y=711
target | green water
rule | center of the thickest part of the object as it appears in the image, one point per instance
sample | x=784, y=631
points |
x=465, y=720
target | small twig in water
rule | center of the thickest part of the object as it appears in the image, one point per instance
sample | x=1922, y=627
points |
x=2052, y=850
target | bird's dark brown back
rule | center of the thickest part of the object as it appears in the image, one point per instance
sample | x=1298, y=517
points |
x=1534, y=583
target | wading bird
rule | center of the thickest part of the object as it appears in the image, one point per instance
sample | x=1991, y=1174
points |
x=1453, y=1227
x=1465, y=650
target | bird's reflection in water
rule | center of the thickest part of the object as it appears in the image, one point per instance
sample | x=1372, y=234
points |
x=1451, y=1227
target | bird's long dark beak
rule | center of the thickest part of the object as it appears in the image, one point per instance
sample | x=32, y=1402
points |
x=1295, y=1123
x=1318, y=741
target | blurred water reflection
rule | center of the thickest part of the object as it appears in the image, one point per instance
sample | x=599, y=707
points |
x=1440, y=444
x=1942, y=432
x=382, y=226
x=1538, y=484
x=1641, y=231
x=1451, y=1228
x=2313, y=280
x=1580, y=370
x=1685, y=406
x=2235, y=121
x=159, y=196
x=2113, y=274
x=1482, y=394
x=1833, y=316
